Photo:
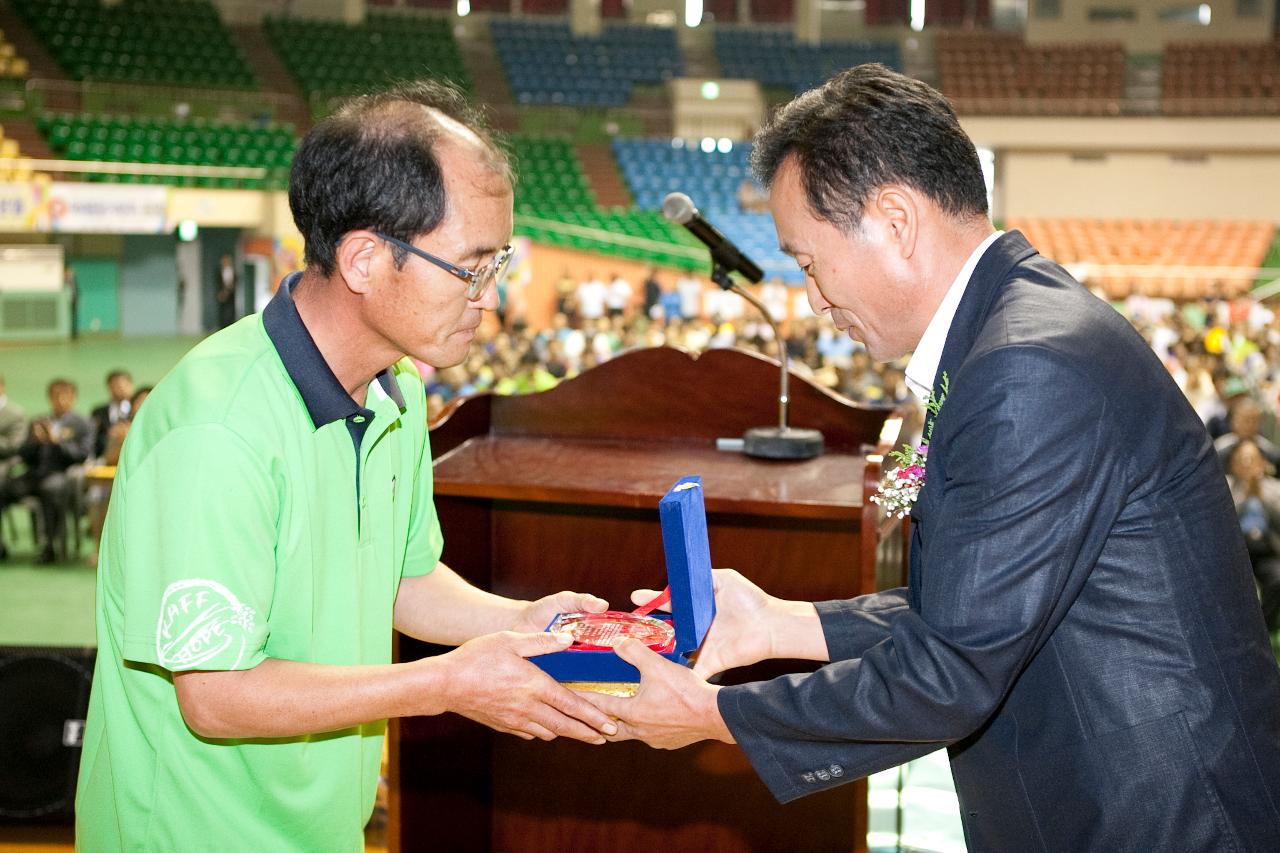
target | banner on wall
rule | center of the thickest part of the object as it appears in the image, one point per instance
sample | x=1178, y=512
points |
x=20, y=205
x=287, y=255
x=105, y=209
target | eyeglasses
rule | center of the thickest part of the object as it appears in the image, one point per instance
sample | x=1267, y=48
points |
x=478, y=281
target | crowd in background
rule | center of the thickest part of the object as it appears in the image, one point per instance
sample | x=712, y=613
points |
x=1223, y=354
x=45, y=460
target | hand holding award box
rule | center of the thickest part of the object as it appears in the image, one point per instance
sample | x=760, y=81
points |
x=591, y=663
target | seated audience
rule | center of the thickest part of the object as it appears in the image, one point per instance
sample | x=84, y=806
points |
x=116, y=410
x=13, y=434
x=99, y=493
x=1257, y=498
x=1246, y=422
x=58, y=443
x=13, y=427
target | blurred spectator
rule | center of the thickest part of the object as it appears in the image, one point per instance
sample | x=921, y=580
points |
x=618, y=298
x=1257, y=498
x=58, y=442
x=670, y=303
x=13, y=427
x=1246, y=421
x=566, y=289
x=590, y=298
x=690, y=290
x=225, y=295
x=773, y=293
x=116, y=410
x=529, y=376
x=99, y=493
x=1228, y=389
x=652, y=291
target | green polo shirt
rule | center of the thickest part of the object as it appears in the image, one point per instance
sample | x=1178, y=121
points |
x=257, y=513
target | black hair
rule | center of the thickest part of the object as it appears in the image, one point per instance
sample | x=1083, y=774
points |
x=59, y=382
x=373, y=164
x=118, y=372
x=863, y=129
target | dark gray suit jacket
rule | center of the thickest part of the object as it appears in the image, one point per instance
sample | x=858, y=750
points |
x=1081, y=627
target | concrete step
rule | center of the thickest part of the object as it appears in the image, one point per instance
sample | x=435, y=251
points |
x=488, y=81
x=273, y=76
x=601, y=169
x=30, y=142
x=27, y=44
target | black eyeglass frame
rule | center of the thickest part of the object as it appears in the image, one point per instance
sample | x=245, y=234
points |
x=478, y=280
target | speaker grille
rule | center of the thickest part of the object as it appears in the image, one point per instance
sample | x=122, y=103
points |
x=30, y=314
x=44, y=694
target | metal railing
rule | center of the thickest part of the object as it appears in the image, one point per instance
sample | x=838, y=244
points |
x=77, y=167
x=232, y=103
x=696, y=253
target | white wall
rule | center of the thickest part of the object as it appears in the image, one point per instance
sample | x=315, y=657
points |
x=1133, y=167
x=1147, y=33
x=1139, y=185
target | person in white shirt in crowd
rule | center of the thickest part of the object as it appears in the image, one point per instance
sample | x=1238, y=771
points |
x=690, y=290
x=591, y=297
x=618, y=298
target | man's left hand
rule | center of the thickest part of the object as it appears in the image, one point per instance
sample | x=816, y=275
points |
x=673, y=708
x=537, y=615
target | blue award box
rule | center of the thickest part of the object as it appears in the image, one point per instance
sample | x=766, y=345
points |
x=693, y=604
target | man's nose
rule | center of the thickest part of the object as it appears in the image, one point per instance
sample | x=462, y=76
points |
x=488, y=300
x=816, y=302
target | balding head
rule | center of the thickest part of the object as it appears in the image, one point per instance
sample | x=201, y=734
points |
x=379, y=163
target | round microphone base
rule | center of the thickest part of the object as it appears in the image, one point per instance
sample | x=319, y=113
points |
x=778, y=443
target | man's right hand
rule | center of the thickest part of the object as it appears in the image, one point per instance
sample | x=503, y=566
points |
x=488, y=680
x=751, y=626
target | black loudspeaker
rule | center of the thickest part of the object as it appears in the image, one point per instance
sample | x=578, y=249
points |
x=44, y=694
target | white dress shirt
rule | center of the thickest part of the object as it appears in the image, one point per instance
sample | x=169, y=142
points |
x=922, y=369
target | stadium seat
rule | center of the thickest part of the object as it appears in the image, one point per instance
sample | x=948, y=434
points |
x=1178, y=259
x=331, y=58
x=175, y=42
x=160, y=140
x=775, y=58
x=545, y=63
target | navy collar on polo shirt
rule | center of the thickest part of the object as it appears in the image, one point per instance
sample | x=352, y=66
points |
x=325, y=398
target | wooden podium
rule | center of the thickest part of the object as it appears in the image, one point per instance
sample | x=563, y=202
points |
x=560, y=490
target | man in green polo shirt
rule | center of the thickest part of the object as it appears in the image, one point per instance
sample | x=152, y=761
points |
x=272, y=519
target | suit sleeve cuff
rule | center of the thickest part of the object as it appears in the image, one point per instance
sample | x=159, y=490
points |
x=757, y=747
x=851, y=626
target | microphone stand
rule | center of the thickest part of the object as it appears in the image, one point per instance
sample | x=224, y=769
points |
x=780, y=442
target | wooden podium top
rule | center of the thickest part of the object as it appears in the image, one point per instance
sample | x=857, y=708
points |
x=629, y=474
x=620, y=434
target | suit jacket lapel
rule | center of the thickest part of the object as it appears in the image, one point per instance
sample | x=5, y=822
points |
x=987, y=280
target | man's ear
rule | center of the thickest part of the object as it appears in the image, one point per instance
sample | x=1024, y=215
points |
x=899, y=207
x=357, y=256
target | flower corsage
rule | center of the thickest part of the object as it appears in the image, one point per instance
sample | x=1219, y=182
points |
x=900, y=486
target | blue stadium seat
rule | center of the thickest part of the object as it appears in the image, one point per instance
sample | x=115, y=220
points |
x=654, y=167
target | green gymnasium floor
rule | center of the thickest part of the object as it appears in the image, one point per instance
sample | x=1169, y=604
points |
x=27, y=369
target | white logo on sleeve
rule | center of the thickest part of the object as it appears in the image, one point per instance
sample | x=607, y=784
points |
x=200, y=620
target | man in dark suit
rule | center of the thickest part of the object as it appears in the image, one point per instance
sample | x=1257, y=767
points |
x=57, y=443
x=1080, y=628
x=115, y=411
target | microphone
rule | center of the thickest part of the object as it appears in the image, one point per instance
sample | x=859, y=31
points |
x=782, y=441
x=679, y=208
